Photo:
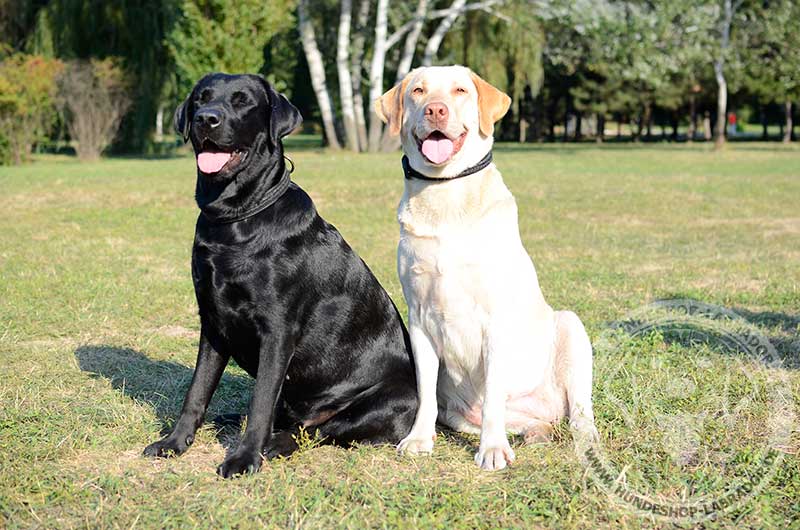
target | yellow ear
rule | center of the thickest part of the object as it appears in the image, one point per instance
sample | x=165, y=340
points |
x=389, y=107
x=492, y=104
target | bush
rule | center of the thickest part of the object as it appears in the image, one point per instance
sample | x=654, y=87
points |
x=93, y=96
x=27, y=103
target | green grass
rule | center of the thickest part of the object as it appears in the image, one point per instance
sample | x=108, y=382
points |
x=98, y=331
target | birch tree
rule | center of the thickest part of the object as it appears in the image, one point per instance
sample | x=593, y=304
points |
x=729, y=8
x=343, y=71
x=316, y=69
x=356, y=58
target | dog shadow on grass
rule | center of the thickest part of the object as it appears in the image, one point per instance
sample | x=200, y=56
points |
x=783, y=334
x=163, y=385
x=780, y=329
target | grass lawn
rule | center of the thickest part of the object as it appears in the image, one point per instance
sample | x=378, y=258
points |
x=98, y=336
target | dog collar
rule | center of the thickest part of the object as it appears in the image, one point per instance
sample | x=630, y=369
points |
x=411, y=173
x=268, y=200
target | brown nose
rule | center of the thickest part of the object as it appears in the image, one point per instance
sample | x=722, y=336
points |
x=437, y=114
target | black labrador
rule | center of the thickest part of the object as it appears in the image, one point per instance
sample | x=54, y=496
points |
x=281, y=292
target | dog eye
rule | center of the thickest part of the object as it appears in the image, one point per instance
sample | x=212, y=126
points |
x=204, y=96
x=418, y=90
x=461, y=90
x=239, y=99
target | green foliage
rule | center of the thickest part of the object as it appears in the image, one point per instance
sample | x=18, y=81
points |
x=133, y=31
x=27, y=112
x=772, y=45
x=630, y=54
x=506, y=49
x=225, y=36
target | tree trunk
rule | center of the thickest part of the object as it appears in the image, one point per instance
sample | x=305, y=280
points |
x=787, y=131
x=764, y=124
x=355, y=72
x=412, y=38
x=722, y=106
x=601, y=128
x=343, y=71
x=317, y=71
x=578, y=125
x=160, y=123
x=692, y=119
x=435, y=40
x=619, y=127
x=388, y=142
x=376, y=73
x=719, y=74
x=640, y=121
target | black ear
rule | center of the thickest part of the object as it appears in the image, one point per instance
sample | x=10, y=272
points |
x=283, y=116
x=182, y=120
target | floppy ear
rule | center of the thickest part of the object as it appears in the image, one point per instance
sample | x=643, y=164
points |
x=492, y=104
x=283, y=116
x=182, y=120
x=389, y=107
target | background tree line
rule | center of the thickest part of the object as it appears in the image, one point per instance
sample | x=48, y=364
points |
x=574, y=68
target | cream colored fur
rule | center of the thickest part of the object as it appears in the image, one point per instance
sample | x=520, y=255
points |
x=491, y=355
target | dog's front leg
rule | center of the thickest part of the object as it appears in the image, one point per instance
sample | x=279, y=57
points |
x=272, y=366
x=423, y=433
x=207, y=372
x=494, y=451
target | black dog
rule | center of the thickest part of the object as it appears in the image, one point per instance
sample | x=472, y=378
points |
x=281, y=292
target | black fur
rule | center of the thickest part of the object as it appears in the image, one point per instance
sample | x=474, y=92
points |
x=282, y=294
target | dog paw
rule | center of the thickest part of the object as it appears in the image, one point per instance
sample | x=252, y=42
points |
x=584, y=430
x=416, y=445
x=495, y=456
x=539, y=434
x=240, y=463
x=169, y=447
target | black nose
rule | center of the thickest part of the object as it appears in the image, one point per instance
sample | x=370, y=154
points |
x=209, y=118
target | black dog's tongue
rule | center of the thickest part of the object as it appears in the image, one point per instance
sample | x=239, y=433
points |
x=209, y=162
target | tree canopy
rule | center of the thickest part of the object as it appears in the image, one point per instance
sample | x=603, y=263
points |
x=569, y=65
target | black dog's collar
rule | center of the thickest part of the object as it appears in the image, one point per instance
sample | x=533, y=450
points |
x=411, y=173
x=268, y=200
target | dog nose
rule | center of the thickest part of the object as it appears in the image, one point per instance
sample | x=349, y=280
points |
x=437, y=113
x=210, y=118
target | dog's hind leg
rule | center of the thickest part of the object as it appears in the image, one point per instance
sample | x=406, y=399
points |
x=574, y=374
x=384, y=417
x=281, y=443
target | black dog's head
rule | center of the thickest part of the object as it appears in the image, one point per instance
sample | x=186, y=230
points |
x=227, y=117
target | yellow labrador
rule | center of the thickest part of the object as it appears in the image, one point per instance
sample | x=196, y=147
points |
x=484, y=339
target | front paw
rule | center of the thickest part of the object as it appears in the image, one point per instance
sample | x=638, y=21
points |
x=495, y=456
x=415, y=444
x=169, y=447
x=239, y=463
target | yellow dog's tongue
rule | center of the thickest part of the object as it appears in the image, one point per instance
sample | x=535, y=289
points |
x=437, y=150
x=212, y=162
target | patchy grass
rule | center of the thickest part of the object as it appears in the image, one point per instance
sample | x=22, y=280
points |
x=98, y=331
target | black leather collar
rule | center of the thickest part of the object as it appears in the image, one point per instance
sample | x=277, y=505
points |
x=269, y=198
x=411, y=173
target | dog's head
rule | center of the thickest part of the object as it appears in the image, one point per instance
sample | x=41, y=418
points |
x=229, y=118
x=445, y=116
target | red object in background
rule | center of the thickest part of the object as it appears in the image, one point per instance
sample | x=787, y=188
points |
x=731, y=118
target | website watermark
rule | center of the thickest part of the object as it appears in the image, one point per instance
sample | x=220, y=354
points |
x=683, y=383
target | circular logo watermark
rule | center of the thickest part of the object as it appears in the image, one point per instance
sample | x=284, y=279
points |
x=699, y=411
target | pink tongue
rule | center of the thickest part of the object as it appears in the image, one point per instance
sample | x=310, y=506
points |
x=212, y=162
x=437, y=151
